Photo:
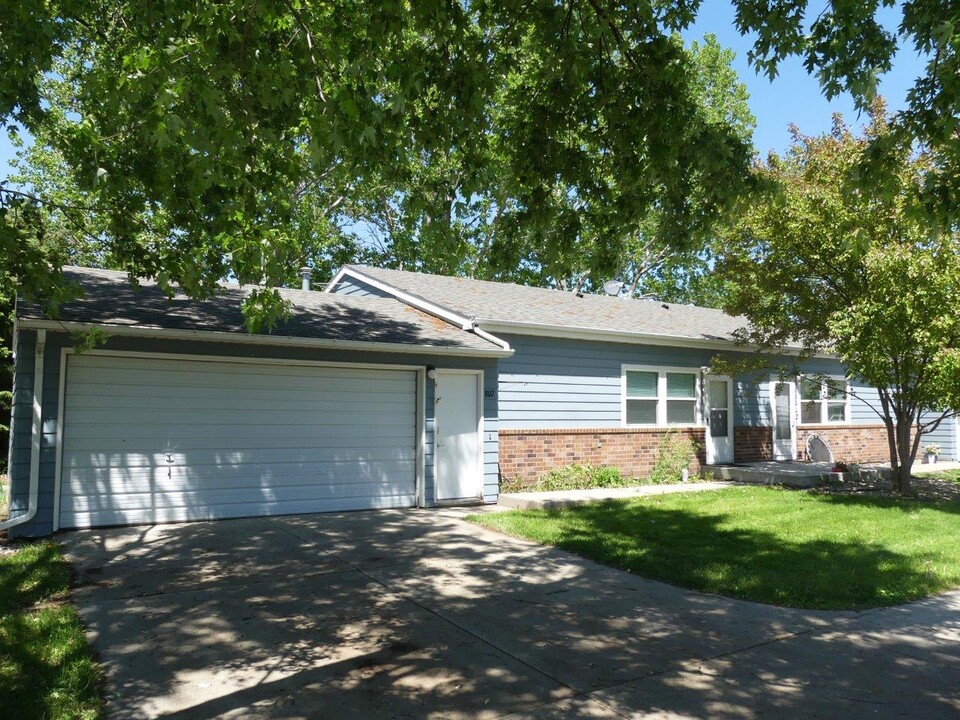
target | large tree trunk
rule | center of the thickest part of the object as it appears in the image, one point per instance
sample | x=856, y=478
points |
x=900, y=441
x=905, y=454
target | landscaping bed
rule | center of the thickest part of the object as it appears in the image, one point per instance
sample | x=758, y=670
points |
x=930, y=486
x=784, y=547
x=46, y=668
x=577, y=477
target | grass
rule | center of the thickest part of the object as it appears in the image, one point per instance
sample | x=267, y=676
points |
x=46, y=669
x=951, y=476
x=773, y=546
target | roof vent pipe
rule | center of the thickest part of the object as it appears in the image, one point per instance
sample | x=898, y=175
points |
x=305, y=275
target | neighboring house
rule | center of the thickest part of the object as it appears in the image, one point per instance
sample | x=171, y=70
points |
x=391, y=389
x=600, y=380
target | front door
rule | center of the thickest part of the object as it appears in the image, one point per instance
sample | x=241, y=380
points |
x=457, y=418
x=719, y=420
x=784, y=441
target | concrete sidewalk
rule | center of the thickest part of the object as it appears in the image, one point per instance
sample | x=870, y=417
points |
x=567, y=498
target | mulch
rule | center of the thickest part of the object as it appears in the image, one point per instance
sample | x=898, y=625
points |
x=930, y=489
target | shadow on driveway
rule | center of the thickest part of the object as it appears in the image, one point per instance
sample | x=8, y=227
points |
x=415, y=614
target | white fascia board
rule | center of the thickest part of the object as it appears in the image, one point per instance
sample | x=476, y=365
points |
x=274, y=340
x=328, y=288
x=604, y=335
x=464, y=323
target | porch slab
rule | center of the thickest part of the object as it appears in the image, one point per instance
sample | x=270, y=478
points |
x=794, y=474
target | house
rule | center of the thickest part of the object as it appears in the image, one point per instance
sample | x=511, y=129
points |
x=388, y=389
x=600, y=380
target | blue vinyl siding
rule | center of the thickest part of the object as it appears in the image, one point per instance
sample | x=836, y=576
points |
x=945, y=436
x=567, y=383
x=352, y=286
x=23, y=431
x=42, y=523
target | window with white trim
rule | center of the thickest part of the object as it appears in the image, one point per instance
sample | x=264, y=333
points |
x=659, y=396
x=823, y=400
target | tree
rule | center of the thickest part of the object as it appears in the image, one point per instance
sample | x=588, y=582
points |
x=824, y=263
x=648, y=263
x=216, y=115
x=847, y=48
x=424, y=219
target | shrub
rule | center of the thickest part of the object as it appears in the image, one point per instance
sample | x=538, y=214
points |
x=573, y=477
x=674, y=455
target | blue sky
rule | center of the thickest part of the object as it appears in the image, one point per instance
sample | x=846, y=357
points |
x=793, y=97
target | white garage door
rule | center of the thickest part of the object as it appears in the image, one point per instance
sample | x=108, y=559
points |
x=158, y=440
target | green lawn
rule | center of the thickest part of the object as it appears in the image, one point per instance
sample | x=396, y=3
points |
x=774, y=546
x=952, y=476
x=46, y=669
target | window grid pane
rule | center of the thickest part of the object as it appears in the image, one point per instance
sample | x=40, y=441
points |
x=681, y=412
x=641, y=412
x=810, y=389
x=810, y=412
x=681, y=385
x=836, y=411
x=641, y=384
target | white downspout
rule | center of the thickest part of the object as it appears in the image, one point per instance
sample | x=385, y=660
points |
x=480, y=332
x=37, y=436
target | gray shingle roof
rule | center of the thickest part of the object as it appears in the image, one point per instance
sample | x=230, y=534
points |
x=496, y=302
x=109, y=299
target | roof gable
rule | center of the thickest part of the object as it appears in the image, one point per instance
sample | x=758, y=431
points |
x=542, y=311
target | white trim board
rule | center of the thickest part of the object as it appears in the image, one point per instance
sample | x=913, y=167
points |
x=274, y=340
x=416, y=301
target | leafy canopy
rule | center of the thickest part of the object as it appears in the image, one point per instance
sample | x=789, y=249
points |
x=211, y=119
x=572, y=129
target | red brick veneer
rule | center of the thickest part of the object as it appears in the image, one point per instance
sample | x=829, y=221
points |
x=752, y=443
x=849, y=443
x=527, y=454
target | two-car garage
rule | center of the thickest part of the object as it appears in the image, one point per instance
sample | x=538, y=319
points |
x=172, y=410
x=154, y=439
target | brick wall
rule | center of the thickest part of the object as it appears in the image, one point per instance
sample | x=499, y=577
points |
x=849, y=443
x=752, y=443
x=528, y=454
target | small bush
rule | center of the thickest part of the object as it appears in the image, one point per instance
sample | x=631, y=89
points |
x=573, y=477
x=674, y=455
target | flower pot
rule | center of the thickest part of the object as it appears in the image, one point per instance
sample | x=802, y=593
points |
x=931, y=458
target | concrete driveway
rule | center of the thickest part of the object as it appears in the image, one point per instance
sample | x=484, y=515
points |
x=416, y=614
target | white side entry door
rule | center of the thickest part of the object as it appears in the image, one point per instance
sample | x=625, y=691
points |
x=719, y=417
x=457, y=434
x=783, y=402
